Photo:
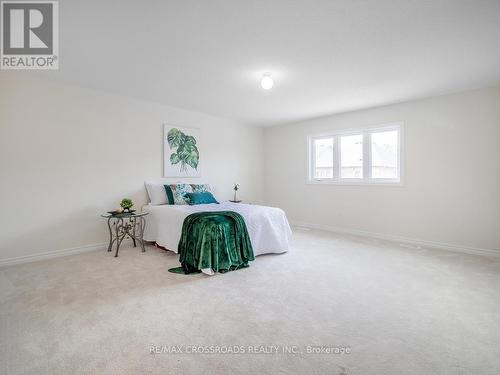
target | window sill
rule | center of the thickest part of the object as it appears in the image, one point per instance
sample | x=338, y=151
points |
x=355, y=183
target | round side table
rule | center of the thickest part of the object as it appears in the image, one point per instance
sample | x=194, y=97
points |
x=126, y=223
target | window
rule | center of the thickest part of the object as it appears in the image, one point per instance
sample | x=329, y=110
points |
x=323, y=151
x=384, y=154
x=351, y=156
x=367, y=156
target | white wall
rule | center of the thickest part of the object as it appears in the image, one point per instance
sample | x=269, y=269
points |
x=64, y=160
x=452, y=188
x=67, y=154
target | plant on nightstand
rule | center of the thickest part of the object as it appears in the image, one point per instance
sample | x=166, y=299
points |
x=126, y=204
x=236, y=187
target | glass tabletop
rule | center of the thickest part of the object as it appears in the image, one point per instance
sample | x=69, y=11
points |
x=125, y=214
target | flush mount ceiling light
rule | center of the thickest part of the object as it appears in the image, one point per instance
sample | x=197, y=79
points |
x=267, y=82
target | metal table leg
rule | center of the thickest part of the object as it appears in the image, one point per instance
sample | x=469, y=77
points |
x=111, y=239
x=119, y=239
x=134, y=222
x=142, y=226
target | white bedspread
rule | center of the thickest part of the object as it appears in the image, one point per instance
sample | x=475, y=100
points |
x=267, y=226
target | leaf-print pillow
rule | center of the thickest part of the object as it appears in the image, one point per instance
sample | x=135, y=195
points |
x=201, y=188
x=178, y=192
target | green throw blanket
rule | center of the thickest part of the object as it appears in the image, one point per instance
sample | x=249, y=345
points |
x=217, y=240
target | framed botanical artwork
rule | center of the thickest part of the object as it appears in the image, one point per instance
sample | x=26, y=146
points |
x=181, y=153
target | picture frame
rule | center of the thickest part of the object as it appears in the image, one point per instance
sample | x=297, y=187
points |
x=181, y=151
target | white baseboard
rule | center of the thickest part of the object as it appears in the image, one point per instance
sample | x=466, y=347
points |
x=400, y=240
x=52, y=254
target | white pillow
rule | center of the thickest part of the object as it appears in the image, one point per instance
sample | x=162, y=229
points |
x=156, y=192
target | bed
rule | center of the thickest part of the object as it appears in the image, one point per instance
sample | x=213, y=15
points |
x=268, y=227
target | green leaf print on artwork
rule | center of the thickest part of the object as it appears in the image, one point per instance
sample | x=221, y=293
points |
x=185, y=150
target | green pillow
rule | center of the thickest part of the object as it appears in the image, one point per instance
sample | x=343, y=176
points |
x=170, y=194
x=199, y=198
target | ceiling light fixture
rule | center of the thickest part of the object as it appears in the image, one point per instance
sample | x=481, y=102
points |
x=267, y=82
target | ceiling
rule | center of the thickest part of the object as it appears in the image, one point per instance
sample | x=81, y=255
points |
x=325, y=56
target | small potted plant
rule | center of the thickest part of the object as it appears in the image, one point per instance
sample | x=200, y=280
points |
x=236, y=187
x=126, y=204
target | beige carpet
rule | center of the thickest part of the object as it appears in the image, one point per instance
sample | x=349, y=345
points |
x=398, y=311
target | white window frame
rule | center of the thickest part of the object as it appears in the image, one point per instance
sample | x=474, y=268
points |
x=367, y=170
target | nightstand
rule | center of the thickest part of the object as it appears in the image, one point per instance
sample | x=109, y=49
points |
x=123, y=224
